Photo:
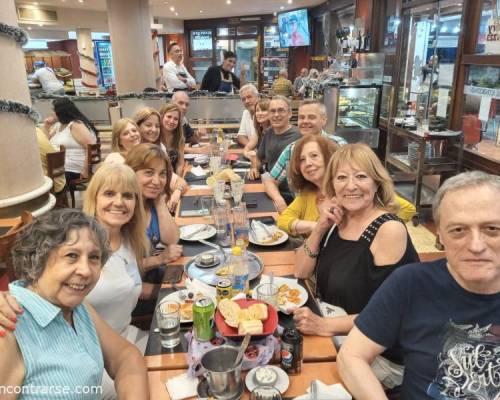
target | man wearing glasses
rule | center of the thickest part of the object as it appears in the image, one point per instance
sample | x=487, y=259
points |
x=277, y=138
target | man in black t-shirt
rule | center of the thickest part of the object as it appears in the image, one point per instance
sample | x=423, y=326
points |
x=443, y=315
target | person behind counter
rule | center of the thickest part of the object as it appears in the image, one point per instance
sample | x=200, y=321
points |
x=249, y=96
x=444, y=314
x=172, y=136
x=175, y=74
x=58, y=341
x=70, y=128
x=307, y=169
x=356, y=244
x=219, y=78
x=282, y=86
x=47, y=78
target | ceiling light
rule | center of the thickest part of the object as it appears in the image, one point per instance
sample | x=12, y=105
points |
x=290, y=1
x=201, y=11
x=35, y=3
x=282, y=7
x=29, y=28
x=176, y=14
x=228, y=1
x=172, y=9
x=40, y=24
x=80, y=1
x=274, y=13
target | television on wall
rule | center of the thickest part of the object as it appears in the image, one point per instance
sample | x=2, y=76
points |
x=294, y=28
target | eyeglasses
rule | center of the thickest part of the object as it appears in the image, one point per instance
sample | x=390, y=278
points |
x=278, y=110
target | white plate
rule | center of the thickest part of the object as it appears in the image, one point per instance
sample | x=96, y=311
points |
x=175, y=297
x=281, y=384
x=188, y=229
x=190, y=156
x=282, y=239
x=288, y=305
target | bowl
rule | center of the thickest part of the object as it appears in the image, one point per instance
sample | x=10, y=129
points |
x=265, y=376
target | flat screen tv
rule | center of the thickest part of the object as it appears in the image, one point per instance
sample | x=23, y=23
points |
x=294, y=28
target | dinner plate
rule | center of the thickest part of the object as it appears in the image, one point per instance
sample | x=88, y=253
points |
x=282, y=239
x=288, y=304
x=175, y=296
x=281, y=384
x=269, y=325
x=187, y=230
x=190, y=156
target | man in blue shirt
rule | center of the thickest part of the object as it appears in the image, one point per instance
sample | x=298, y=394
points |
x=442, y=316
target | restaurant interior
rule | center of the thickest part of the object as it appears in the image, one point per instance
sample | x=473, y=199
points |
x=413, y=82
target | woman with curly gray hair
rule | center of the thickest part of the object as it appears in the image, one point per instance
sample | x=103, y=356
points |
x=59, y=342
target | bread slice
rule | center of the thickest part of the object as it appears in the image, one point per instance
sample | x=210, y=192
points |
x=258, y=311
x=253, y=327
x=229, y=309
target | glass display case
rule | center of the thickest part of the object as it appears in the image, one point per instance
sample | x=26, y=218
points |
x=353, y=112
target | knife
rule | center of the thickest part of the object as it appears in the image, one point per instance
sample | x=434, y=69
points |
x=192, y=234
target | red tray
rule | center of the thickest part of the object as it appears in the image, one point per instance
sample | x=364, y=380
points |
x=269, y=324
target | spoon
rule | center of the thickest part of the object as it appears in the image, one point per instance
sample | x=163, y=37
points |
x=243, y=347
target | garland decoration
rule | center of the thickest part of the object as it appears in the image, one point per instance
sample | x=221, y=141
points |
x=15, y=33
x=19, y=108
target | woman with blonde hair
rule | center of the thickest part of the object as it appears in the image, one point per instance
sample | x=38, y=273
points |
x=153, y=171
x=261, y=124
x=356, y=244
x=125, y=135
x=172, y=135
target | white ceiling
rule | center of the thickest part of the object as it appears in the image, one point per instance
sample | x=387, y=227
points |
x=189, y=9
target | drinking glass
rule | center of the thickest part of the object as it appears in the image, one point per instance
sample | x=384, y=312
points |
x=241, y=225
x=222, y=225
x=219, y=189
x=268, y=293
x=215, y=164
x=265, y=393
x=207, y=203
x=237, y=190
x=168, y=318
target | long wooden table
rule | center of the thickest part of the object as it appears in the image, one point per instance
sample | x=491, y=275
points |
x=319, y=352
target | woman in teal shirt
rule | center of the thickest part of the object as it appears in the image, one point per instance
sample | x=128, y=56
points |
x=60, y=346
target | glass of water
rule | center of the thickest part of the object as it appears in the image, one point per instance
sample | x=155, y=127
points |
x=219, y=189
x=268, y=293
x=237, y=190
x=215, y=164
x=241, y=225
x=168, y=318
x=265, y=393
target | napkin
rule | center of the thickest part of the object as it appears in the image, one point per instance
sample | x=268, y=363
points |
x=197, y=286
x=261, y=232
x=327, y=392
x=198, y=171
x=182, y=387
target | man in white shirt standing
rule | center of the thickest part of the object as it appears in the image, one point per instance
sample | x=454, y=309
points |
x=47, y=78
x=175, y=74
x=249, y=96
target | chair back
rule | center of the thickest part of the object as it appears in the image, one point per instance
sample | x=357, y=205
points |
x=93, y=157
x=7, y=241
x=55, y=164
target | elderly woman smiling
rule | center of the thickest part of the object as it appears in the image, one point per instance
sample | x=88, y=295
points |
x=58, y=259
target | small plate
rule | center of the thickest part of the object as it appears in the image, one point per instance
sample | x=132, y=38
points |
x=281, y=384
x=288, y=304
x=197, y=261
x=186, y=230
x=282, y=239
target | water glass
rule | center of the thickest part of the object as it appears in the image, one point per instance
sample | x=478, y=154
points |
x=168, y=318
x=268, y=293
x=237, y=190
x=207, y=203
x=241, y=225
x=219, y=189
x=222, y=225
x=265, y=393
x=215, y=164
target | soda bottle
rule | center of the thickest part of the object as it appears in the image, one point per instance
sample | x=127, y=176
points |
x=239, y=271
x=291, y=351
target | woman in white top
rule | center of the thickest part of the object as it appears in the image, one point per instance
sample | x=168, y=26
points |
x=125, y=135
x=148, y=122
x=71, y=129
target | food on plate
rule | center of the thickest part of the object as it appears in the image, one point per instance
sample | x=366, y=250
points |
x=265, y=376
x=253, y=327
x=207, y=259
x=227, y=175
x=247, y=320
x=275, y=236
x=186, y=307
x=287, y=294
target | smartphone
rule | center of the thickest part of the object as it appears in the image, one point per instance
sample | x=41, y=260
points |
x=173, y=273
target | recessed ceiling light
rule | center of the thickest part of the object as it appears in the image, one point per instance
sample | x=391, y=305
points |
x=290, y=1
x=282, y=7
x=228, y=1
x=176, y=14
x=275, y=13
x=172, y=9
x=80, y=1
x=201, y=11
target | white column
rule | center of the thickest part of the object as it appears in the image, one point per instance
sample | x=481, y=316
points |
x=156, y=58
x=22, y=183
x=87, y=62
x=130, y=28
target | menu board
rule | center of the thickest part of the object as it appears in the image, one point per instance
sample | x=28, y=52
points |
x=201, y=40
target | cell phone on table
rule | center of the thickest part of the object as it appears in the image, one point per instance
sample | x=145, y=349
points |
x=173, y=274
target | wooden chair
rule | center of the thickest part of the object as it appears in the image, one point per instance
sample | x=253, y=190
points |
x=55, y=169
x=80, y=184
x=7, y=240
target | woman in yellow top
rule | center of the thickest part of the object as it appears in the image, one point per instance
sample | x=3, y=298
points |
x=307, y=168
x=310, y=156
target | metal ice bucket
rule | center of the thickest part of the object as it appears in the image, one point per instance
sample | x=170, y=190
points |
x=223, y=378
